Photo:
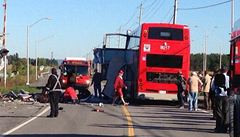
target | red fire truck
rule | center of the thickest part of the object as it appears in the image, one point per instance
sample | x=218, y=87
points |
x=152, y=57
x=77, y=71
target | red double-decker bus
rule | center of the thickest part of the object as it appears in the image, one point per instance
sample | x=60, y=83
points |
x=152, y=57
x=164, y=50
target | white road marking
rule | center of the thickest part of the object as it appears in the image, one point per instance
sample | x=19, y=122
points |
x=25, y=123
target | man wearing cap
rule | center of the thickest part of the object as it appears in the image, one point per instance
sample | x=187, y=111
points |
x=194, y=82
x=118, y=85
x=181, y=84
x=221, y=84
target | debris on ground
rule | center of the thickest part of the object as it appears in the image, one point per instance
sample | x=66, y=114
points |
x=98, y=110
x=22, y=96
x=101, y=104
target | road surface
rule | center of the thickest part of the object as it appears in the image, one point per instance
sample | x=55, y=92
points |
x=116, y=121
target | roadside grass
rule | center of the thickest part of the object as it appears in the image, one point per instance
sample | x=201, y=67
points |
x=16, y=84
x=16, y=89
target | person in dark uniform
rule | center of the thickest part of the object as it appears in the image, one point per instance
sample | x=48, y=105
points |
x=181, y=84
x=96, y=82
x=53, y=86
x=221, y=84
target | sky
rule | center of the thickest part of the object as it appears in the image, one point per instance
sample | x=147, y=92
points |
x=77, y=26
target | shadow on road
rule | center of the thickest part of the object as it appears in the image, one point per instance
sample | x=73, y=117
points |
x=58, y=135
x=173, y=119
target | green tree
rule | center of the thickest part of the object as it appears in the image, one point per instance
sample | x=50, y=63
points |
x=213, y=61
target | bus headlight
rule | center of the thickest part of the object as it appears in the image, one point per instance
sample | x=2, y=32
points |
x=64, y=81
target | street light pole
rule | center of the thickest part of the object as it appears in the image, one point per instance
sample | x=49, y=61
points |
x=36, y=63
x=206, y=32
x=28, y=28
x=27, y=56
x=36, y=53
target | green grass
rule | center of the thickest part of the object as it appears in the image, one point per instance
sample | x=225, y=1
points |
x=16, y=89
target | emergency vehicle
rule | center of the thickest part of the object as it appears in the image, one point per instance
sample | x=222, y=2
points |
x=235, y=79
x=153, y=55
x=75, y=71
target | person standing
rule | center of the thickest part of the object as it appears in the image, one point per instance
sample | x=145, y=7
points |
x=3, y=53
x=118, y=85
x=212, y=93
x=193, y=91
x=181, y=84
x=221, y=84
x=206, y=89
x=53, y=86
x=96, y=82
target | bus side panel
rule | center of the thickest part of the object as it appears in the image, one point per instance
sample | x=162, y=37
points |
x=237, y=58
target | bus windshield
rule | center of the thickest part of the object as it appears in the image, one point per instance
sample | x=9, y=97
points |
x=83, y=70
x=161, y=33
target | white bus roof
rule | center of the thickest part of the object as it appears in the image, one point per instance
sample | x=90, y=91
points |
x=75, y=58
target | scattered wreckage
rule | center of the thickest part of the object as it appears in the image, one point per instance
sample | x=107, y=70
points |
x=41, y=97
x=24, y=96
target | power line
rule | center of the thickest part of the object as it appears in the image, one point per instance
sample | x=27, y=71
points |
x=171, y=19
x=132, y=17
x=167, y=14
x=204, y=7
x=154, y=10
x=149, y=7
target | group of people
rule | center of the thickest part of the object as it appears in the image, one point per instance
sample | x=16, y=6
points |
x=118, y=86
x=54, y=88
x=215, y=89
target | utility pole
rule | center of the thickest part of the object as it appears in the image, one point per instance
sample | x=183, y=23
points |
x=52, y=58
x=220, y=58
x=4, y=41
x=175, y=12
x=140, y=14
x=232, y=15
x=205, y=53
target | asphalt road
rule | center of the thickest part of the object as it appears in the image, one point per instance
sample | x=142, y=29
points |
x=170, y=121
x=77, y=120
x=14, y=113
x=115, y=121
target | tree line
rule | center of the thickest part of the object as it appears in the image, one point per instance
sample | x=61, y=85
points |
x=213, y=61
x=19, y=64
